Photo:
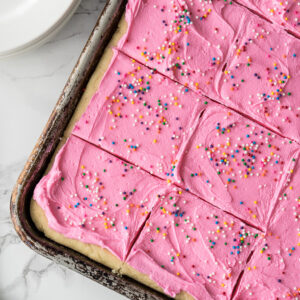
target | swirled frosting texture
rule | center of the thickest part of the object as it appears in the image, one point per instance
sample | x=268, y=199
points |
x=187, y=41
x=96, y=198
x=188, y=245
x=235, y=164
x=141, y=116
x=262, y=75
x=284, y=13
x=243, y=62
x=274, y=270
x=151, y=110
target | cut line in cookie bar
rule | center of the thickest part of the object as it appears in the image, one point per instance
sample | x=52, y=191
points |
x=243, y=62
x=261, y=77
x=190, y=249
x=95, y=198
x=284, y=14
x=274, y=270
x=141, y=116
x=235, y=164
x=187, y=41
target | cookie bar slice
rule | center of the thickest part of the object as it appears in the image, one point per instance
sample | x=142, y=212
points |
x=189, y=249
x=95, y=198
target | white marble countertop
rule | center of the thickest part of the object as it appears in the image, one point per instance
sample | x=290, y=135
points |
x=30, y=85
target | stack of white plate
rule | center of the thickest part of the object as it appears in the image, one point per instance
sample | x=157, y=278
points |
x=25, y=24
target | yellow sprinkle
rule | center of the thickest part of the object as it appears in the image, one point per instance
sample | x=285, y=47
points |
x=154, y=141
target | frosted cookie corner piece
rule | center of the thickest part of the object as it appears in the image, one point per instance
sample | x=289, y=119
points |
x=189, y=247
x=235, y=164
x=188, y=41
x=96, y=198
x=274, y=270
x=141, y=116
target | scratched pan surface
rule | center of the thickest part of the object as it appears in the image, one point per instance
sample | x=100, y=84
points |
x=44, y=150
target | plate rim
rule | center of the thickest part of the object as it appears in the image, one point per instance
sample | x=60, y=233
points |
x=46, y=35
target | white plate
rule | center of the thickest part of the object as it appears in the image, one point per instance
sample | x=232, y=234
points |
x=28, y=23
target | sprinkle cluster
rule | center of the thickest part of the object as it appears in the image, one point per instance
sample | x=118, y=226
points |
x=207, y=239
x=96, y=208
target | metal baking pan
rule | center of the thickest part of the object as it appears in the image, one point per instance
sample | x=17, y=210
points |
x=44, y=150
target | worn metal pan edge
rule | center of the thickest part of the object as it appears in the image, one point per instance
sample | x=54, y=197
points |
x=43, y=151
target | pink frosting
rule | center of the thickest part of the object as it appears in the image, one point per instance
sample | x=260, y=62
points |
x=187, y=41
x=188, y=245
x=274, y=270
x=96, y=198
x=262, y=76
x=140, y=116
x=284, y=13
x=168, y=128
x=235, y=164
x=243, y=62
